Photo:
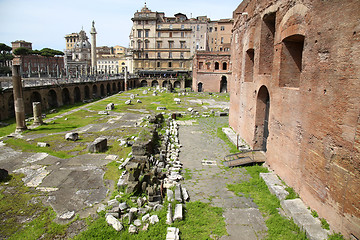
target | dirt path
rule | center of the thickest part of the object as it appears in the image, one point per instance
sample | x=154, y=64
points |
x=208, y=181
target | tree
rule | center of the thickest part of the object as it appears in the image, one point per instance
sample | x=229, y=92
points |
x=5, y=55
x=22, y=51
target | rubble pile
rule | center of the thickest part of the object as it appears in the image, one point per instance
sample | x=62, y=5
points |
x=152, y=172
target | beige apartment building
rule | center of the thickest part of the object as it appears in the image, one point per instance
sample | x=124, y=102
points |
x=71, y=39
x=165, y=45
x=219, y=35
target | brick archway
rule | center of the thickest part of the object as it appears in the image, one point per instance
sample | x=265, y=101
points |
x=262, y=119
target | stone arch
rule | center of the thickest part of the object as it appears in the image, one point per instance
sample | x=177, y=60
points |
x=86, y=92
x=261, y=132
x=35, y=97
x=165, y=83
x=108, y=89
x=200, y=87
x=94, y=91
x=223, y=84
x=52, y=99
x=177, y=84
x=144, y=83
x=77, y=94
x=114, y=87
x=102, y=90
x=11, y=107
x=65, y=94
x=154, y=83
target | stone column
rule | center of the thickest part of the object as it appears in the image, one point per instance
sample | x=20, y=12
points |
x=93, y=49
x=126, y=79
x=18, y=99
x=37, y=113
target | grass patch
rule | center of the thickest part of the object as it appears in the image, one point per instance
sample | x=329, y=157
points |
x=22, y=215
x=278, y=226
x=20, y=144
x=324, y=224
x=336, y=236
x=187, y=174
x=200, y=221
x=220, y=134
x=6, y=130
x=292, y=193
x=314, y=214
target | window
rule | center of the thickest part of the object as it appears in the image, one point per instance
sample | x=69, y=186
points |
x=139, y=33
x=170, y=26
x=222, y=40
x=210, y=29
x=249, y=65
x=224, y=65
x=159, y=44
x=159, y=26
x=182, y=45
x=146, y=44
x=181, y=64
x=170, y=34
x=267, y=35
x=201, y=65
x=146, y=33
x=216, y=66
x=159, y=55
x=181, y=55
x=197, y=28
x=139, y=55
x=182, y=26
x=170, y=54
x=139, y=45
x=182, y=34
x=222, y=28
x=212, y=40
x=291, y=61
x=158, y=64
x=208, y=64
x=146, y=55
x=159, y=34
x=170, y=64
x=171, y=44
x=215, y=29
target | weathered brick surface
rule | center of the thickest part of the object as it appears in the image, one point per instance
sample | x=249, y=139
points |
x=312, y=77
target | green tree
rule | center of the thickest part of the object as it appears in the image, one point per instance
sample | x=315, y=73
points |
x=5, y=55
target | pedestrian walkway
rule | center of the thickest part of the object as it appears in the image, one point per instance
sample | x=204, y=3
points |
x=202, y=155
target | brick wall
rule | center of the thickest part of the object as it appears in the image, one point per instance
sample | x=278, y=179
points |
x=305, y=55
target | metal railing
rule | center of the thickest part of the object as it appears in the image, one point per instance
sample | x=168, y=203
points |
x=38, y=82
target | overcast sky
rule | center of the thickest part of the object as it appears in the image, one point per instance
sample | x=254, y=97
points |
x=46, y=22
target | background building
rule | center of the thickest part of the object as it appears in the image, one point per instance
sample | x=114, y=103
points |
x=294, y=94
x=219, y=36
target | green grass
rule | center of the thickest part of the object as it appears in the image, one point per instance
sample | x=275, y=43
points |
x=292, y=193
x=20, y=144
x=187, y=174
x=6, y=130
x=220, y=134
x=314, y=214
x=336, y=236
x=278, y=226
x=200, y=221
x=324, y=224
x=18, y=205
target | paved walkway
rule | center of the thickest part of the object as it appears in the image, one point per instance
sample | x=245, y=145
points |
x=209, y=180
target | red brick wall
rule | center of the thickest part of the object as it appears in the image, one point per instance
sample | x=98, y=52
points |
x=205, y=72
x=314, y=86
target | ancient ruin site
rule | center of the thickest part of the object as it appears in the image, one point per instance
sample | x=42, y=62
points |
x=243, y=128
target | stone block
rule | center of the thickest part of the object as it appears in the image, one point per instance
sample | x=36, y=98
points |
x=72, y=136
x=99, y=145
x=169, y=215
x=154, y=219
x=110, y=106
x=111, y=220
x=172, y=233
x=43, y=144
x=132, y=229
x=178, y=215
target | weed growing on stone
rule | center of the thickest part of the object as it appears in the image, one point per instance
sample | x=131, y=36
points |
x=278, y=226
x=292, y=193
x=324, y=224
x=314, y=214
x=336, y=236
